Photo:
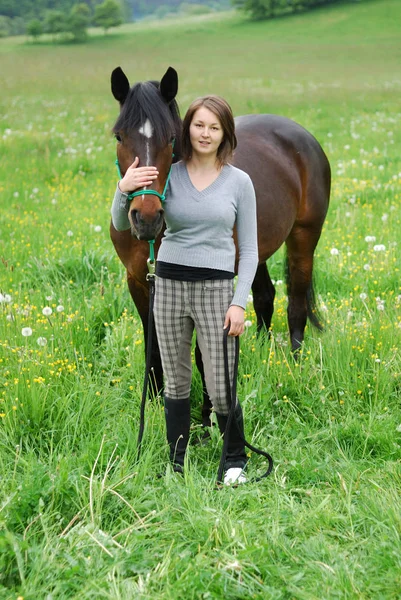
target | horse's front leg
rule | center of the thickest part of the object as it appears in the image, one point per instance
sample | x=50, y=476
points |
x=207, y=405
x=140, y=296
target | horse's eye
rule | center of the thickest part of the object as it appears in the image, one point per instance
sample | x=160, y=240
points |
x=118, y=137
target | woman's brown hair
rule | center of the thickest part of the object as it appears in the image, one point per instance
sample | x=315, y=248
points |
x=223, y=112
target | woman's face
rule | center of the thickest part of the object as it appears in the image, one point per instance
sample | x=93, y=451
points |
x=205, y=132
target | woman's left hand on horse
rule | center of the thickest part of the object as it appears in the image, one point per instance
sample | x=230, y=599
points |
x=235, y=319
x=136, y=177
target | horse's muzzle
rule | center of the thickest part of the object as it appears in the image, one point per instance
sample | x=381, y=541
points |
x=145, y=228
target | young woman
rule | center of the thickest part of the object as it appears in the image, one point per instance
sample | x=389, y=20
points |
x=206, y=198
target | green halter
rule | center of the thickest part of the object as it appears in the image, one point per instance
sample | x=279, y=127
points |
x=151, y=259
x=148, y=192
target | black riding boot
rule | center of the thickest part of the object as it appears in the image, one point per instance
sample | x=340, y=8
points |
x=236, y=455
x=177, y=414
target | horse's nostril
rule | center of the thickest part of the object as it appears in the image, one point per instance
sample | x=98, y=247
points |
x=134, y=215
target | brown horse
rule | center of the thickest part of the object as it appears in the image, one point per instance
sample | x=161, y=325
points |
x=291, y=176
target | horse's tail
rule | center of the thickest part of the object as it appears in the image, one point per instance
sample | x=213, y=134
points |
x=313, y=312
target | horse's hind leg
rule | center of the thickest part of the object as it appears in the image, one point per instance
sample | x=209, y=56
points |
x=263, y=297
x=301, y=245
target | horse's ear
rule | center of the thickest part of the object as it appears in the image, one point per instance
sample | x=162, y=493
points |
x=169, y=85
x=119, y=85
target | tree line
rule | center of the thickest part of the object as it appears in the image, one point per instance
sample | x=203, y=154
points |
x=69, y=18
x=60, y=18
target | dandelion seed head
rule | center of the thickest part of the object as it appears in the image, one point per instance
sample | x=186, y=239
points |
x=26, y=331
x=41, y=341
x=334, y=252
x=47, y=311
x=60, y=308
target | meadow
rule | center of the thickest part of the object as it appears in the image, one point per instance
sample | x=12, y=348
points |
x=80, y=517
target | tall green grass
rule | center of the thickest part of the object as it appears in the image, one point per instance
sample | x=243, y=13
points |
x=79, y=516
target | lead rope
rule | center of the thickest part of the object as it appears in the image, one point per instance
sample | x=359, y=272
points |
x=232, y=398
x=150, y=277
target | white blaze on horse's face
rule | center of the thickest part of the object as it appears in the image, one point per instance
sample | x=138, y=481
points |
x=147, y=131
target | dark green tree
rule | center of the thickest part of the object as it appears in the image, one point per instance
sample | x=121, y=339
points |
x=34, y=28
x=267, y=9
x=78, y=22
x=108, y=14
x=55, y=22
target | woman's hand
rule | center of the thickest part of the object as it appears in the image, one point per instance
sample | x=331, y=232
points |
x=235, y=319
x=137, y=177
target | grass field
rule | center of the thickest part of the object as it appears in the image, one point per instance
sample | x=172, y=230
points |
x=79, y=517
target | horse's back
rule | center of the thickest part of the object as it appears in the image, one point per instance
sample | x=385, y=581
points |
x=290, y=173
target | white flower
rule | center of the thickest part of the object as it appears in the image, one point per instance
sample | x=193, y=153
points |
x=363, y=296
x=47, y=311
x=10, y=318
x=26, y=331
x=54, y=201
x=334, y=252
x=250, y=298
x=88, y=150
x=41, y=341
x=70, y=233
x=279, y=282
x=60, y=308
x=370, y=238
x=384, y=217
x=5, y=298
x=16, y=194
x=49, y=298
x=97, y=228
x=247, y=323
x=367, y=267
x=379, y=248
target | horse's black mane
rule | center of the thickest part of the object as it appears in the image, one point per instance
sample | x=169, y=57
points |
x=144, y=101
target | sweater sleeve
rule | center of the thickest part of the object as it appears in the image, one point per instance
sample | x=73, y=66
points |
x=119, y=211
x=247, y=243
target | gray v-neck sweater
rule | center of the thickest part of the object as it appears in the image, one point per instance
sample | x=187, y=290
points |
x=200, y=224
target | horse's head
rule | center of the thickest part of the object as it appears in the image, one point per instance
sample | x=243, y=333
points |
x=147, y=127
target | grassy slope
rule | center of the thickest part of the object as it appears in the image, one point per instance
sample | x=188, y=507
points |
x=327, y=523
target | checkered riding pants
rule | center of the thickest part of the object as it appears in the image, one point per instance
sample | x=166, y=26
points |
x=179, y=308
